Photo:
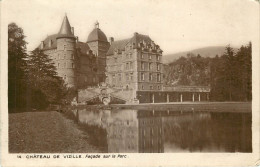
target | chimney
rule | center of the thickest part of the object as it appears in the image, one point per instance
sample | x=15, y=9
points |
x=72, y=30
x=111, y=40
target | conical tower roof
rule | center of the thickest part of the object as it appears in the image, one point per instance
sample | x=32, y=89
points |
x=65, y=29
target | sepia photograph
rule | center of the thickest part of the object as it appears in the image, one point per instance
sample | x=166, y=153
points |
x=128, y=81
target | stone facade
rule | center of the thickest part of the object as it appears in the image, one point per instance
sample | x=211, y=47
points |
x=80, y=64
x=135, y=64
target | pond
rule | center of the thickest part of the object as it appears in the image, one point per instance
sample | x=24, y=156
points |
x=151, y=131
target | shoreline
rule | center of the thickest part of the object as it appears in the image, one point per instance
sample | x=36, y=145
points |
x=241, y=107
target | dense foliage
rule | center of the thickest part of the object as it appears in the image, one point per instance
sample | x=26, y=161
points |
x=16, y=66
x=228, y=75
x=32, y=78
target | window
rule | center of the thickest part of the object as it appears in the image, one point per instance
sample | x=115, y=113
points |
x=150, y=77
x=58, y=65
x=72, y=65
x=150, y=66
x=142, y=56
x=64, y=65
x=158, y=67
x=142, y=76
x=142, y=65
x=86, y=79
x=157, y=57
x=151, y=87
x=113, y=78
x=127, y=77
x=119, y=77
x=142, y=87
x=115, y=60
x=132, y=76
x=150, y=57
x=72, y=56
x=158, y=78
x=127, y=66
x=158, y=87
x=131, y=65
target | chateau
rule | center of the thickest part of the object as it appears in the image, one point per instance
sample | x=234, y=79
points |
x=80, y=64
x=131, y=68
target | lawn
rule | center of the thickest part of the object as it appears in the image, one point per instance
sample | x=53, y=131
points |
x=46, y=132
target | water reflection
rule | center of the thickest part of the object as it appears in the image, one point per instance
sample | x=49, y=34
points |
x=132, y=131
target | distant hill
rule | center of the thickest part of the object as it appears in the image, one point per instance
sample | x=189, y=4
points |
x=210, y=51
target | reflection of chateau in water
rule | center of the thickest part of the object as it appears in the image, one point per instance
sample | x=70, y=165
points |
x=132, y=131
x=128, y=131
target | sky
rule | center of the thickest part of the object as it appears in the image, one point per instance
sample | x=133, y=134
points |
x=175, y=25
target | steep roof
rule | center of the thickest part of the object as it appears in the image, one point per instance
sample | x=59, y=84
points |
x=117, y=45
x=84, y=48
x=47, y=40
x=65, y=28
x=97, y=35
x=120, y=45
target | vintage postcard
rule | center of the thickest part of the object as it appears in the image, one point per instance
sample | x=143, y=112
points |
x=130, y=83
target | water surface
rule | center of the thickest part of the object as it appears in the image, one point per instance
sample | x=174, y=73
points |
x=150, y=131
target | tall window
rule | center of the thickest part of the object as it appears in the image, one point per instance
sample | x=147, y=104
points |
x=131, y=65
x=142, y=76
x=150, y=66
x=151, y=87
x=158, y=77
x=142, y=56
x=72, y=65
x=157, y=57
x=127, y=65
x=150, y=77
x=158, y=67
x=113, y=78
x=131, y=76
x=127, y=77
x=119, y=77
x=142, y=65
x=150, y=57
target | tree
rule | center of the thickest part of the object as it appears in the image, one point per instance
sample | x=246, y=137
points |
x=46, y=86
x=16, y=66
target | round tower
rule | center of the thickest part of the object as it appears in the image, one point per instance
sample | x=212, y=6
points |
x=66, y=54
x=97, y=41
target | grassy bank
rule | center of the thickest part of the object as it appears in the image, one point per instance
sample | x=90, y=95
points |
x=46, y=132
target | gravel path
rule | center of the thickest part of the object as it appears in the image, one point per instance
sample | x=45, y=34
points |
x=46, y=132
